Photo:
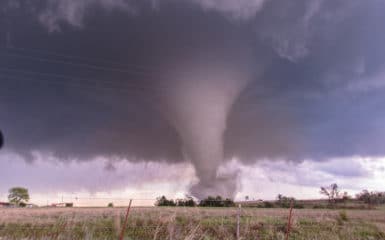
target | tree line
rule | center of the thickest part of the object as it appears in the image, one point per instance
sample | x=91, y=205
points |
x=335, y=196
x=371, y=198
x=210, y=201
x=19, y=196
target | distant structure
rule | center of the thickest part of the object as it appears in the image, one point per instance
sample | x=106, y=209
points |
x=31, y=205
x=6, y=204
x=62, y=205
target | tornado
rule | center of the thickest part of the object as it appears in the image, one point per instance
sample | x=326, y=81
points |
x=197, y=101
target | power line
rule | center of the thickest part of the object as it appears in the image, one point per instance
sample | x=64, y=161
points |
x=87, y=88
x=84, y=65
x=151, y=71
x=56, y=54
x=74, y=84
x=137, y=82
x=88, y=81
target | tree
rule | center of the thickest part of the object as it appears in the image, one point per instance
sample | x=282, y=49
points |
x=163, y=201
x=111, y=205
x=216, y=202
x=332, y=192
x=371, y=198
x=345, y=197
x=285, y=202
x=18, y=196
x=187, y=202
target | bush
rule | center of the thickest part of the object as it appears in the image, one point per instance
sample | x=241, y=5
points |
x=111, y=205
x=319, y=207
x=371, y=198
x=268, y=205
x=164, y=202
x=285, y=202
x=216, y=202
x=343, y=216
x=188, y=202
x=298, y=205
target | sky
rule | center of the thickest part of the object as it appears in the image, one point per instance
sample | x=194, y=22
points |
x=105, y=100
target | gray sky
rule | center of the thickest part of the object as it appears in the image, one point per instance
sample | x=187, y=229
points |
x=199, y=85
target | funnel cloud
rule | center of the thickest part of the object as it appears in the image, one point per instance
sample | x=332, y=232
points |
x=198, y=102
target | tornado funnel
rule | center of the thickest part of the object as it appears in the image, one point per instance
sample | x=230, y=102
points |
x=197, y=102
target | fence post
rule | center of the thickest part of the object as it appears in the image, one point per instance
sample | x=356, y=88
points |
x=289, y=221
x=125, y=221
x=238, y=221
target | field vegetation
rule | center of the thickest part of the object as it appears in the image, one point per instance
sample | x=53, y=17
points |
x=339, y=217
x=191, y=223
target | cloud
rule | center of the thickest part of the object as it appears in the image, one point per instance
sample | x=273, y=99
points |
x=50, y=175
x=352, y=172
x=48, y=179
x=240, y=10
x=368, y=83
x=293, y=28
x=109, y=100
x=73, y=12
x=54, y=13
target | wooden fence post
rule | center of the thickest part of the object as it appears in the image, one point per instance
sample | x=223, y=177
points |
x=238, y=221
x=289, y=221
x=125, y=221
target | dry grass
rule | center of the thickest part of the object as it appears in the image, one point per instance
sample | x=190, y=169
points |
x=189, y=223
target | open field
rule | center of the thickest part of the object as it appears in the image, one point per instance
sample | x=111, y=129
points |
x=189, y=223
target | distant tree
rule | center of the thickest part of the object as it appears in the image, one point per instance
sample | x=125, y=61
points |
x=217, y=201
x=18, y=196
x=285, y=202
x=345, y=197
x=371, y=198
x=332, y=192
x=246, y=198
x=111, y=205
x=163, y=202
x=279, y=197
x=186, y=202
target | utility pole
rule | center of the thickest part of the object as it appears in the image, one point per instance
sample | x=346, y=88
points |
x=1, y=139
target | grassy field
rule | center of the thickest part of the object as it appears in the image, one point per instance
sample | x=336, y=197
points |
x=190, y=223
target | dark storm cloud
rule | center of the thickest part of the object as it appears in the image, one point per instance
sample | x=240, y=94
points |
x=313, y=72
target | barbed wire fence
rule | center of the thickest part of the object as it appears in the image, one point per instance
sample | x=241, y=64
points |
x=139, y=219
